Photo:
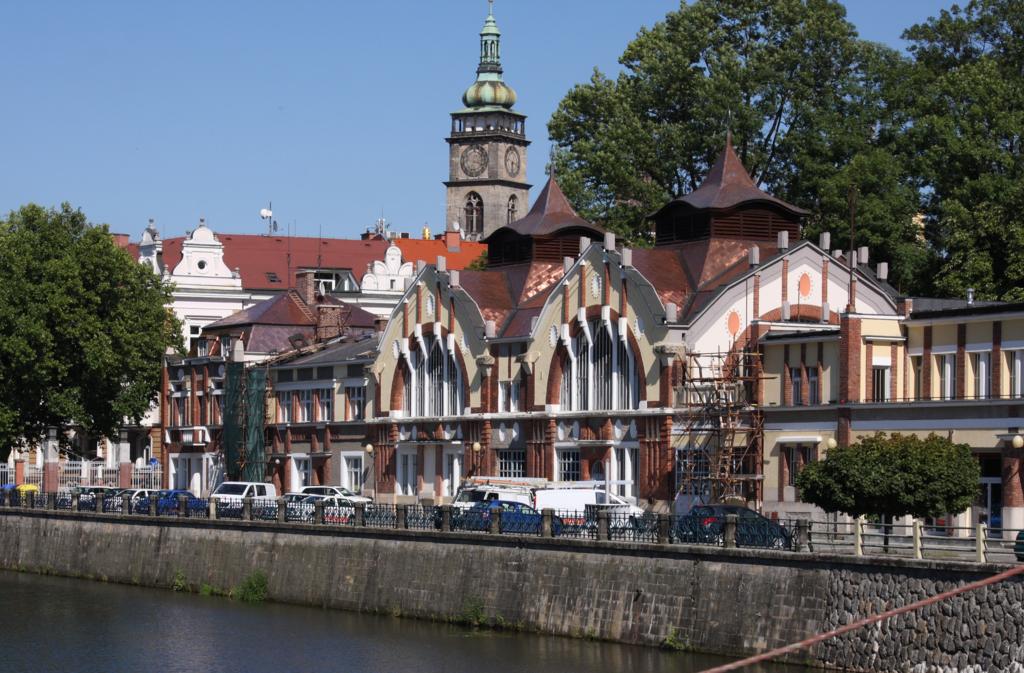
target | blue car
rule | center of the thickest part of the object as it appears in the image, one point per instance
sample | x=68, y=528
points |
x=515, y=518
x=167, y=502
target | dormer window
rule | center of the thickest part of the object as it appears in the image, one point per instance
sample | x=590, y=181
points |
x=272, y=277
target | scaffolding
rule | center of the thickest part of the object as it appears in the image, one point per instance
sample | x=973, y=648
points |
x=720, y=426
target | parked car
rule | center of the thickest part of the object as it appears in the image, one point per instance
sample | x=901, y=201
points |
x=337, y=509
x=336, y=490
x=1018, y=546
x=515, y=518
x=236, y=490
x=168, y=502
x=704, y=524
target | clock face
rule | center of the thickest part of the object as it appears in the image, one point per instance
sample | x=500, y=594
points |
x=474, y=161
x=512, y=161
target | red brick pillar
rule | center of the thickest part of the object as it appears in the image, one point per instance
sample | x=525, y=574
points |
x=124, y=474
x=787, y=379
x=849, y=359
x=893, y=362
x=1013, y=489
x=19, y=471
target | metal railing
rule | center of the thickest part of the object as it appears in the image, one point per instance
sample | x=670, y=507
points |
x=148, y=477
x=850, y=538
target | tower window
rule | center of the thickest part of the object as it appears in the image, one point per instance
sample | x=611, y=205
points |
x=474, y=213
x=513, y=209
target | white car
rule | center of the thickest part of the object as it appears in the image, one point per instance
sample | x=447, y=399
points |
x=339, y=491
x=236, y=490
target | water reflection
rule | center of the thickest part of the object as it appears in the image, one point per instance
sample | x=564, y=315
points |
x=55, y=624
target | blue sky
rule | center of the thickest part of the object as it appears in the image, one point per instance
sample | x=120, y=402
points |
x=335, y=111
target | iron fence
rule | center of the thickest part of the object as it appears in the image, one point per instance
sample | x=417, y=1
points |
x=573, y=524
x=419, y=517
x=380, y=516
x=264, y=509
x=623, y=526
x=340, y=516
x=229, y=509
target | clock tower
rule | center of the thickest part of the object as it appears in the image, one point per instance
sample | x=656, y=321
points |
x=487, y=186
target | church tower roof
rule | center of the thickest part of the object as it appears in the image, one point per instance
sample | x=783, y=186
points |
x=489, y=90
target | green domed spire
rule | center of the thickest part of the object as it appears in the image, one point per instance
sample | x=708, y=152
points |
x=489, y=89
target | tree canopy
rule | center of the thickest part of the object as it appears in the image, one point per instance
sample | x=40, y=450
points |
x=85, y=327
x=893, y=475
x=815, y=109
x=965, y=97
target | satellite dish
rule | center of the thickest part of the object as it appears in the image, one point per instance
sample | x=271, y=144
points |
x=265, y=213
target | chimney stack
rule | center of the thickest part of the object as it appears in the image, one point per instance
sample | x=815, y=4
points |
x=671, y=312
x=305, y=285
x=970, y=296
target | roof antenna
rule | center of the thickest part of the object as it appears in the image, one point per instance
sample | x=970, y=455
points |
x=551, y=161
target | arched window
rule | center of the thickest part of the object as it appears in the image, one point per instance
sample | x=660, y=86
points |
x=433, y=382
x=513, y=209
x=435, y=370
x=599, y=373
x=474, y=213
x=603, y=366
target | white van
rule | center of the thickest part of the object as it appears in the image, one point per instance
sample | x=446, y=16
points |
x=581, y=496
x=486, y=489
x=236, y=490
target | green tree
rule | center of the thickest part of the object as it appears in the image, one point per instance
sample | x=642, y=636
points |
x=893, y=475
x=84, y=327
x=965, y=96
x=806, y=100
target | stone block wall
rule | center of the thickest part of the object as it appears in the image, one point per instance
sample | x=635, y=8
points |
x=733, y=602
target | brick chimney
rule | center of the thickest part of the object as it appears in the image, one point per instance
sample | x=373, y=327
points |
x=330, y=321
x=305, y=285
x=452, y=240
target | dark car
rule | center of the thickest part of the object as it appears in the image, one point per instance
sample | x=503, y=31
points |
x=705, y=524
x=515, y=518
x=167, y=502
x=1018, y=546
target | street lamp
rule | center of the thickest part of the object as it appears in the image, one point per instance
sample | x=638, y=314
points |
x=831, y=443
x=369, y=449
x=1017, y=442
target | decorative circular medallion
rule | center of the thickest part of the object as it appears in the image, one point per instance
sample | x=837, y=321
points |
x=553, y=336
x=512, y=161
x=733, y=323
x=474, y=161
x=804, y=286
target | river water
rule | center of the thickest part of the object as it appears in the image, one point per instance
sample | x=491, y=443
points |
x=61, y=625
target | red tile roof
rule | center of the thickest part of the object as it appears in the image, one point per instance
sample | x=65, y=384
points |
x=428, y=250
x=257, y=256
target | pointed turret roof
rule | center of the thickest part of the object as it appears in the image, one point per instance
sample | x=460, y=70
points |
x=728, y=185
x=551, y=212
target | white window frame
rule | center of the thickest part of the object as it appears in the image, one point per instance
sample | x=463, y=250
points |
x=625, y=467
x=352, y=463
x=569, y=464
x=981, y=365
x=512, y=463
x=305, y=405
x=355, y=403
x=284, y=406
x=302, y=471
x=886, y=383
x=325, y=405
x=407, y=472
x=451, y=473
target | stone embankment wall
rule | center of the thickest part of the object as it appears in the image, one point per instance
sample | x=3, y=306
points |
x=733, y=602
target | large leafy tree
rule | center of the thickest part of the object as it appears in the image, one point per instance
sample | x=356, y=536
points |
x=893, y=475
x=806, y=100
x=965, y=95
x=83, y=327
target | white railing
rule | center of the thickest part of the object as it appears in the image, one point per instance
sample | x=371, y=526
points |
x=34, y=475
x=74, y=473
x=6, y=474
x=148, y=477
